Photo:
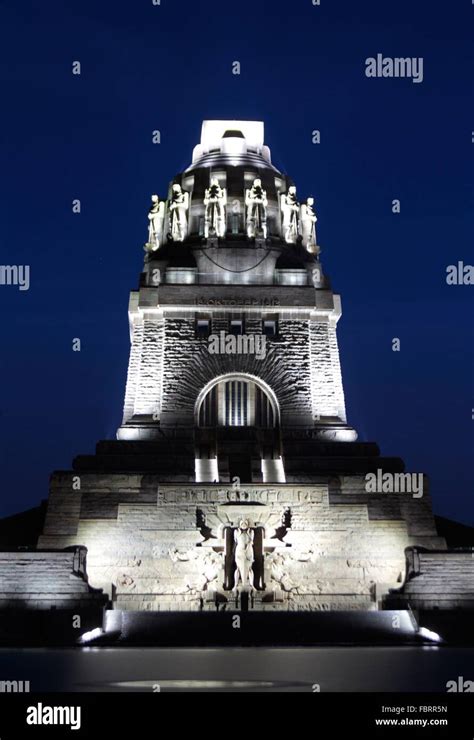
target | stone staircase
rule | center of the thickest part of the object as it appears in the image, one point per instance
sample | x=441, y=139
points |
x=47, y=580
x=437, y=579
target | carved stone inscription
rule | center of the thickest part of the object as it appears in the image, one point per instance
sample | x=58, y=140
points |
x=282, y=494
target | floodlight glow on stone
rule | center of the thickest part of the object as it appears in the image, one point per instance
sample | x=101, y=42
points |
x=210, y=439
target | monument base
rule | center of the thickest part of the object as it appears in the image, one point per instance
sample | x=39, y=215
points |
x=243, y=629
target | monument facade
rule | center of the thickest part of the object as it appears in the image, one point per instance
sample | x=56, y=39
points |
x=235, y=481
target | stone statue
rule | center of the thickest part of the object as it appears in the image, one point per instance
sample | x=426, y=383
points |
x=308, y=225
x=215, y=201
x=243, y=538
x=178, y=213
x=290, y=211
x=156, y=216
x=256, y=202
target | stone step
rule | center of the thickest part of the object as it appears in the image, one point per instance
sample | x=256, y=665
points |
x=50, y=596
x=443, y=579
x=44, y=576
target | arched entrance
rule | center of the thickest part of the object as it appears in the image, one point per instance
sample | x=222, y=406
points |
x=237, y=400
x=237, y=419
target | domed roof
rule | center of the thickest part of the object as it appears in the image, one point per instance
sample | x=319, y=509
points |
x=232, y=144
x=220, y=159
x=294, y=256
x=175, y=254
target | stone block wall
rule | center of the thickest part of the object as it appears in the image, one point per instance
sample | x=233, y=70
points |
x=145, y=370
x=169, y=366
x=46, y=580
x=156, y=546
x=440, y=580
x=133, y=372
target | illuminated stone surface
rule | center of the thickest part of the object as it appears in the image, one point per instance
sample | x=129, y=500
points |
x=266, y=437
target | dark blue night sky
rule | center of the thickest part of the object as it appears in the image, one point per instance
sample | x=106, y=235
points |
x=168, y=67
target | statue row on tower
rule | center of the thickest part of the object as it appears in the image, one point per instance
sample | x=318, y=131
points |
x=178, y=206
x=298, y=220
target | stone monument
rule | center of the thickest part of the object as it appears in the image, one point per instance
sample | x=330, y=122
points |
x=236, y=473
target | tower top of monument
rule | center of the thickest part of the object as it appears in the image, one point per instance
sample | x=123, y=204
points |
x=213, y=131
x=232, y=143
x=232, y=197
